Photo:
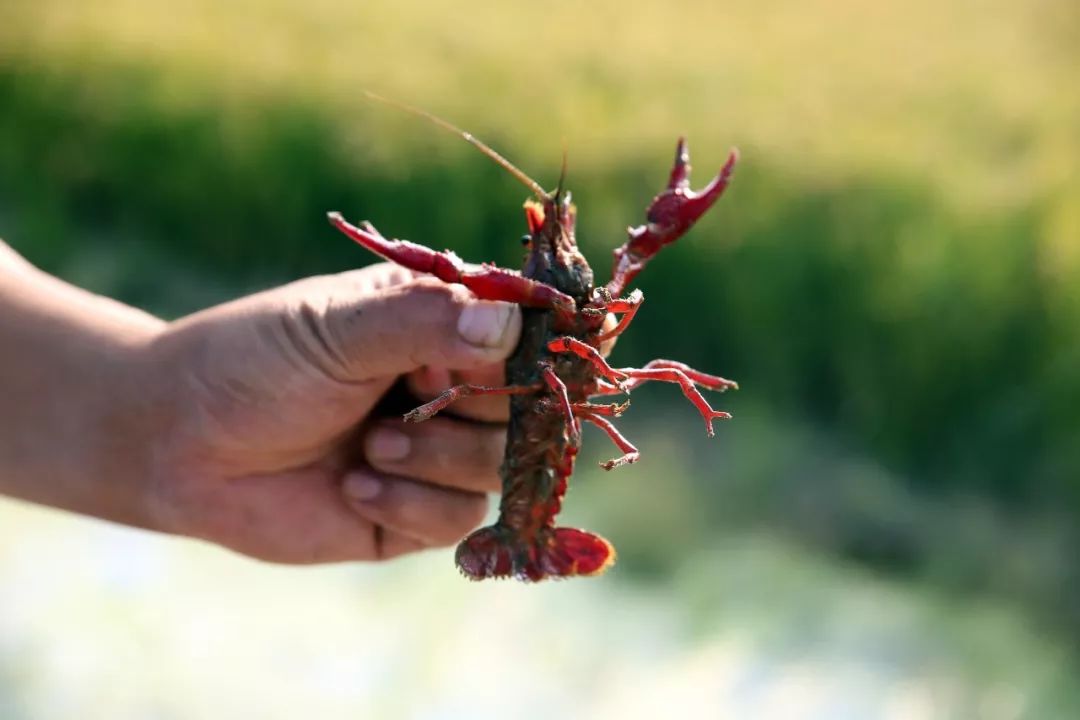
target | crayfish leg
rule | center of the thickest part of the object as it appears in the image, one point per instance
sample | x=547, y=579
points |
x=559, y=388
x=710, y=382
x=628, y=306
x=607, y=410
x=675, y=375
x=457, y=392
x=630, y=453
x=587, y=352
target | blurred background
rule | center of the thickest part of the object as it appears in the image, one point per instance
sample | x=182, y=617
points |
x=887, y=529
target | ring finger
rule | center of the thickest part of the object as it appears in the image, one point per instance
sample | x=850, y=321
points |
x=456, y=454
x=435, y=516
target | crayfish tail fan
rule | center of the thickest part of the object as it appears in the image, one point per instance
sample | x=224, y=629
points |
x=486, y=553
x=576, y=552
x=498, y=551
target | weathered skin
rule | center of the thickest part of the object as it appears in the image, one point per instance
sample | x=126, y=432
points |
x=557, y=368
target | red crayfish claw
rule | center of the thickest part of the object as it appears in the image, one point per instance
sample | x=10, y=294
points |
x=668, y=217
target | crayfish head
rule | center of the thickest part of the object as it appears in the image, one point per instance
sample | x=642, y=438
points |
x=553, y=255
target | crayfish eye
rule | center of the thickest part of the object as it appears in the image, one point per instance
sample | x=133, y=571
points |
x=526, y=241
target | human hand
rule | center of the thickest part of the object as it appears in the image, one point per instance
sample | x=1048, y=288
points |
x=259, y=428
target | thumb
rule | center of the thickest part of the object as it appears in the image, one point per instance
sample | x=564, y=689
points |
x=291, y=367
x=401, y=328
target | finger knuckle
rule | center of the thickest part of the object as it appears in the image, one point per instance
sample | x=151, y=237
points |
x=432, y=291
x=305, y=330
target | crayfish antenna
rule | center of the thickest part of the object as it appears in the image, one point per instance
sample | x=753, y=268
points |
x=469, y=138
x=562, y=173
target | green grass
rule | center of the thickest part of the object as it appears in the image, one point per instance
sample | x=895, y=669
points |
x=967, y=96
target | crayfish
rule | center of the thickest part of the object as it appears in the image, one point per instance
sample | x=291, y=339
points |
x=557, y=368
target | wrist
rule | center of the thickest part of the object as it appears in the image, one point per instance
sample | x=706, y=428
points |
x=70, y=396
x=124, y=422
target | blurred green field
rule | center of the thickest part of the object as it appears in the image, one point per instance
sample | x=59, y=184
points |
x=893, y=277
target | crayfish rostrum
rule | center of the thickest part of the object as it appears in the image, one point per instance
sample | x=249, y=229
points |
x=557, y=368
